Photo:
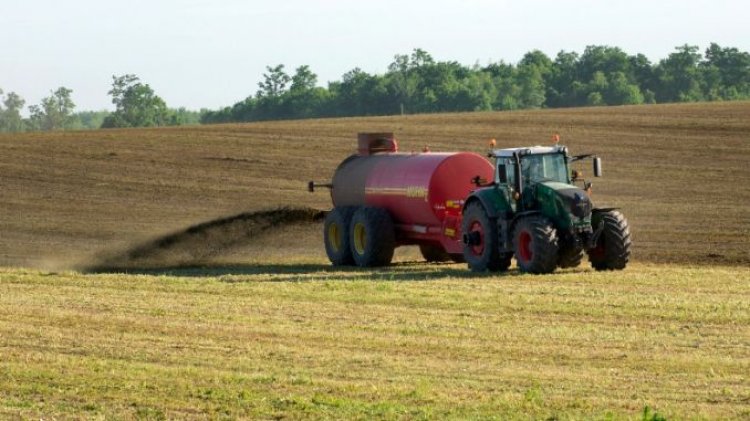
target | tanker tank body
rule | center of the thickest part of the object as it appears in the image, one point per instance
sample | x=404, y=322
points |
x=384, y=199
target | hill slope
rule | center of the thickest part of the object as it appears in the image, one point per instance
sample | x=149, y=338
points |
x=679, y=172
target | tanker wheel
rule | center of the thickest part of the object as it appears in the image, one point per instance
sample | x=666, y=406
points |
x=612, y=250
x=336, y=235
x=535, y=244
x=481, y=240
x=570, y=257
x=372, y=237
x=434, y=253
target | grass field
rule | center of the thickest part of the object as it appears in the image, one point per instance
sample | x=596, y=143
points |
x=231, y=325
x=415, y=341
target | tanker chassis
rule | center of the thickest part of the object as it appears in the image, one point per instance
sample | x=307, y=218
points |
x=457, y=206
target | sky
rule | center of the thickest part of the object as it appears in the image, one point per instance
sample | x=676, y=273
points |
x=212, y=53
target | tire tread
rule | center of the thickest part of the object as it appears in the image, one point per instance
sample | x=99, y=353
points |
x=617, y=243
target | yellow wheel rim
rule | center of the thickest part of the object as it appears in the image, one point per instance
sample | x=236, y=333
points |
x=360, y=238
x=334, y=237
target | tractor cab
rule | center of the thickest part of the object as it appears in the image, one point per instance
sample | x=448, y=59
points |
x=525, y=171
x=531, y=165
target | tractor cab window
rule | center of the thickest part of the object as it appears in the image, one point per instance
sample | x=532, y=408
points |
x=505, y=173
x=544, y=167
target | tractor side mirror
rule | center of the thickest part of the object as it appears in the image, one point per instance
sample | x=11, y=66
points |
x=597, y=167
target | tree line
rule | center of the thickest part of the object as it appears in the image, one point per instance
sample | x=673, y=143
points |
x=416, y=83
x=136, y=105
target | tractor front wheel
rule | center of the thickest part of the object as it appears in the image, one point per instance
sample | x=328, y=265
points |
x=535, y=245
x=612, y=249
x=372, y=237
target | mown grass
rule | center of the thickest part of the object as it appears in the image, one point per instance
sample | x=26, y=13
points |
x=414, y=341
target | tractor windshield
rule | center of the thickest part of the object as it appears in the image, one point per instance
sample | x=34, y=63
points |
x=544, y=167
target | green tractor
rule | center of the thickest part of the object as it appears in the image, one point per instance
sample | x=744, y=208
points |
x=532, y=211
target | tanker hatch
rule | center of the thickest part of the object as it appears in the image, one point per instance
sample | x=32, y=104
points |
x=372, y=143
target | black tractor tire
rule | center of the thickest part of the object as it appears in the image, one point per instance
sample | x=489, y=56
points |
x=457, y=258
x=612, y=249
x=482, y=253
x=434, y=253
x=372, y=237
x=570, y=257
x=336, y=235
x=535, y=244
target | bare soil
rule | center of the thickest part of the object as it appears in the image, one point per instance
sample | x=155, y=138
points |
x=680, y=173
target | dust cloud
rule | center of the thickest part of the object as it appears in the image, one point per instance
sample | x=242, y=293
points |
x=199, y=243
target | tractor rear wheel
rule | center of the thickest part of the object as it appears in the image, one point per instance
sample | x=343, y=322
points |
x=481, y=240
x=433, y=253
x=372, y=237
x=336, y=235
x=535, y=245
x=612, y=250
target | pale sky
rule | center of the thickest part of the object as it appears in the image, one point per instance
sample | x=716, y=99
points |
x=209, y=54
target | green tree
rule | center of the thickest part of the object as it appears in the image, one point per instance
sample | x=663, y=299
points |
x=621, y=92
x=304, y=99
x=360, y=93
x=602, y=58
x=274, y=82
x=531, y=84
x=403, y=82
x=87, y=120
x=446, y=86
x=643, y=73
x=54, y=113
x=10, y=113
x=595, y=99
x=538, y=59
x=726, y=73
x=564, y=87
x=597, y=87
x=303, y=80
x=136, y=104
x=679, y=76
x=182, y=116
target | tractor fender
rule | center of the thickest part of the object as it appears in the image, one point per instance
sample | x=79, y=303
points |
x=519, y=215
x=485, y=200
x=494, y=202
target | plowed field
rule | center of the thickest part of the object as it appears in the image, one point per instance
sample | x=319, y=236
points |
x=680, y=173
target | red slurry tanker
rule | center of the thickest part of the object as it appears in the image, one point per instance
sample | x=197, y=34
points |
x=457, y=206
